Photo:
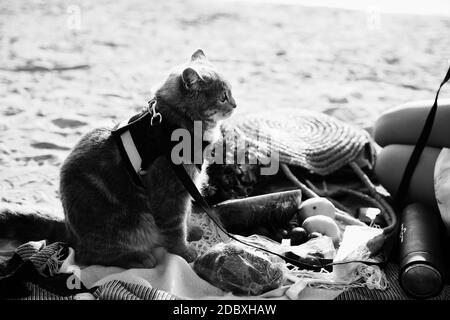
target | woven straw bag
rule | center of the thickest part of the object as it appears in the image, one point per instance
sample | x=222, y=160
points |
x=312, y=140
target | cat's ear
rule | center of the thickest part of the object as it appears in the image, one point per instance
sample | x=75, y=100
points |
x=191, y=79
x=198, y=55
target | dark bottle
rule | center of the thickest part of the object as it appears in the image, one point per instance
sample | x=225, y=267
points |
x=421, y=252
x=267, y=210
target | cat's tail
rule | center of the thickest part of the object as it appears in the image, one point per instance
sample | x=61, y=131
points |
x=27, y=224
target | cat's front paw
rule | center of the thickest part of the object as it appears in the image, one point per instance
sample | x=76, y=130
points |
x=191, y=254
x=187, y=252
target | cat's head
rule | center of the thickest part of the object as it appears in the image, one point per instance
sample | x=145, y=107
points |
x=198, y=91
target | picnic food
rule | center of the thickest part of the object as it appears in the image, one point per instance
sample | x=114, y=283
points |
x=324, y=225
x=316, y=206
x=313, y=235
x=298, y=236
x=236, y=268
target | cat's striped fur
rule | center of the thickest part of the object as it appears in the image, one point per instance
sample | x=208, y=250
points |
x=109, y=219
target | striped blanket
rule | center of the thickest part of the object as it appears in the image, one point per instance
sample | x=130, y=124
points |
x=32, y=272
x=37, y=271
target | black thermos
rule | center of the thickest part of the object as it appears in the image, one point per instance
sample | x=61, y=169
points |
x=421, y=252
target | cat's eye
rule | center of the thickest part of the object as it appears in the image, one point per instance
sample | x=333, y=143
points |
x=223, y=97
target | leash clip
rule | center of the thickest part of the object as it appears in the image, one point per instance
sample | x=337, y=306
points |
x=152, y=110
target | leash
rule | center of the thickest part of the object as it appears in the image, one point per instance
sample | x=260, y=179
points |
x=186, y=180
x=137, y=156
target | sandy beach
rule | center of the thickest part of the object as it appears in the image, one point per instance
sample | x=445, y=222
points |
x=67, y=67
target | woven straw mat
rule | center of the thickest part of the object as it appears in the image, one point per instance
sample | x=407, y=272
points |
x=308, y=139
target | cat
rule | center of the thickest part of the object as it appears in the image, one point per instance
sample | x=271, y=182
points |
x=109, y=219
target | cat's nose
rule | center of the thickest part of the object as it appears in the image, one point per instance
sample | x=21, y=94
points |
x=233, y=103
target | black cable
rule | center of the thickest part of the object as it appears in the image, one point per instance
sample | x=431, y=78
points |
x=180, y=171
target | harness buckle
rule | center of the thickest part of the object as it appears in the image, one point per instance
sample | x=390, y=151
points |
x=152, y=110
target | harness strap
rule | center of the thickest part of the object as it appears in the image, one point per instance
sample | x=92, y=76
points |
x=418, y=149
x=138, y=143
x=144, y=138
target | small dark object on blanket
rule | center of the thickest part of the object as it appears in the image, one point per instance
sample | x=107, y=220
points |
x=298, y=236
x=237, y=269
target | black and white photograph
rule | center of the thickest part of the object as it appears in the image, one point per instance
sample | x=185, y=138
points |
x=231, y=156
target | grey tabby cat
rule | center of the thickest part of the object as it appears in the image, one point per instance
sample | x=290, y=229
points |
x=109, y=219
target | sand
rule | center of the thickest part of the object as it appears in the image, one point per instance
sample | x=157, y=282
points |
x=68, y=67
